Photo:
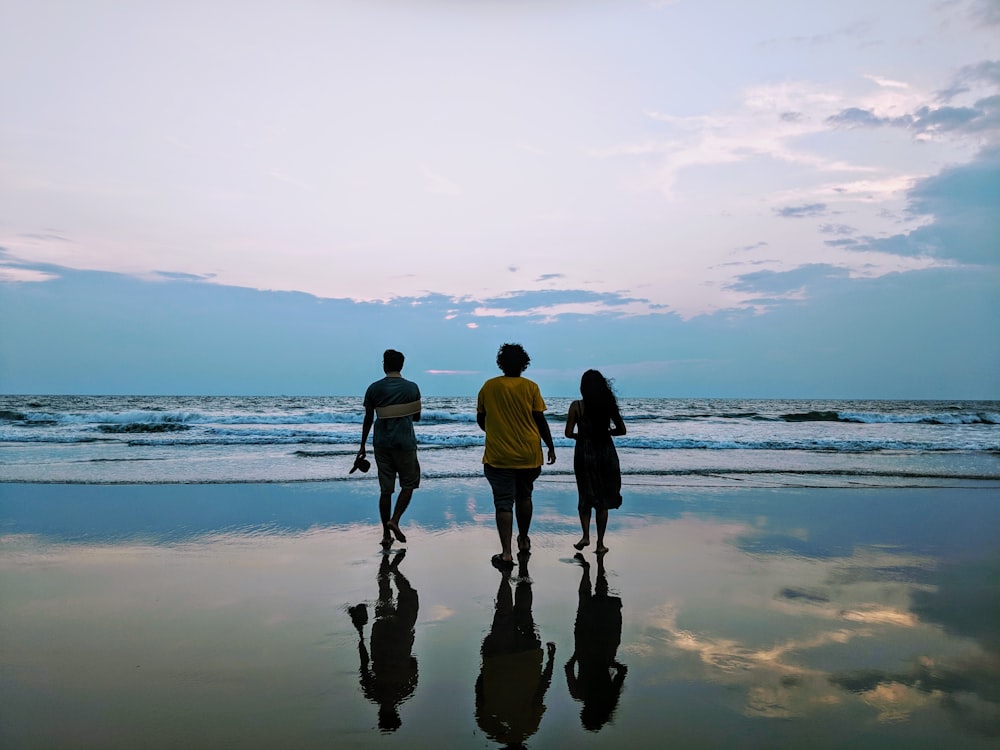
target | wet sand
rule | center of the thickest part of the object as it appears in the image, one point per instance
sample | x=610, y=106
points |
x=161, y=616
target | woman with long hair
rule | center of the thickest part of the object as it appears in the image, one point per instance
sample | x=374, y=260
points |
x=592, y=421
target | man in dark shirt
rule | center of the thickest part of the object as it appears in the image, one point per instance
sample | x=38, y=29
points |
x=395, y=401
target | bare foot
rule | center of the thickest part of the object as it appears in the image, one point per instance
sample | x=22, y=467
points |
x=601, y=549
x=386, y=542
x=523, y=543
x=394, y=528
x=585, y=542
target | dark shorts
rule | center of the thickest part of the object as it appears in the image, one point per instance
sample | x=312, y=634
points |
x=402, y=462
x=511, y=486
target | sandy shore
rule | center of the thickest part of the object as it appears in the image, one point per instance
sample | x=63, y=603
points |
x=228, y=616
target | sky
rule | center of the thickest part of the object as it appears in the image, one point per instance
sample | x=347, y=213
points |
x=699, y=198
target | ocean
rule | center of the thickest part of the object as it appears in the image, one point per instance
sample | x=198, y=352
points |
x=675, y=442
x=204, y=572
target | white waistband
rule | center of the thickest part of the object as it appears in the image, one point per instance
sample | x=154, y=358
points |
x=393, y=411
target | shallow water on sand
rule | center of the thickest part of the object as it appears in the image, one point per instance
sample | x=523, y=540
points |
x=217, y=615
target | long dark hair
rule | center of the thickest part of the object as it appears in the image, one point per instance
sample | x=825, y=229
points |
x=599, y=402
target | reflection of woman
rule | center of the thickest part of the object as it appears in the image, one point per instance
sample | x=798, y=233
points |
x=592, y=421
x=389, y=676
x=597, y=635
x=512, y=684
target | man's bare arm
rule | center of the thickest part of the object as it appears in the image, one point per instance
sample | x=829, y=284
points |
x=546, y=433
x=366, y=427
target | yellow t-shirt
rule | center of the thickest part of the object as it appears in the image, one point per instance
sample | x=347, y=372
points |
x=512, y=438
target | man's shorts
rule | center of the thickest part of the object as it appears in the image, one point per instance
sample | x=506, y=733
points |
x=511, y=486
x=402, y=462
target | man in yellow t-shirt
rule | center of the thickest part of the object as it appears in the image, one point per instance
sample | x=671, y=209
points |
x=511, y=411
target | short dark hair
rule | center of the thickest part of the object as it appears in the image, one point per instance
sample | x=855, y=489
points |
x=512, y=359
x=392, y=361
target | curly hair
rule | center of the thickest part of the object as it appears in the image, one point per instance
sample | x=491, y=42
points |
x=512, y=359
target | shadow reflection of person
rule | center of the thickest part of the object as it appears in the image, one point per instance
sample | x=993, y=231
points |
x=512, y=683
x=597, y=635
x=389, y=675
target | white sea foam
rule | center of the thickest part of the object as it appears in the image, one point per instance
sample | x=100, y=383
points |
x=47, y=436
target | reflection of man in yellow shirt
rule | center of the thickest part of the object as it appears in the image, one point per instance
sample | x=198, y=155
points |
x=512, y=684
x=511, y=411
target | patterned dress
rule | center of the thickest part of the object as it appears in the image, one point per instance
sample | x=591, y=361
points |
x=595, y=463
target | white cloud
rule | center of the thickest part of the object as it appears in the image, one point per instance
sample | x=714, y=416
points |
x=15, y=274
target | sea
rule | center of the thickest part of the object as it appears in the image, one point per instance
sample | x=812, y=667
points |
x=670, y=441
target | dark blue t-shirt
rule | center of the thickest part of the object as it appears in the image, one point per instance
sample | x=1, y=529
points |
x=395, y=433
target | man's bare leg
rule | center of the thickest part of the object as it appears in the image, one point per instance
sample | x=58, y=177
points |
x=384, y=508
x=505, y=528
x=524, y=510
x=402, y=503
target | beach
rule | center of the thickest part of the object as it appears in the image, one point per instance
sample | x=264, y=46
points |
x=744, y=615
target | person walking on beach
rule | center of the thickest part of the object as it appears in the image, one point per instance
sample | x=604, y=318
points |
x=510, y=410
x=395, y=401
x=591, y=422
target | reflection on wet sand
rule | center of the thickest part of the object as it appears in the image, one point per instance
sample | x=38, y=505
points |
x=389, y=674
x=596, y=635
x=766, y=619
x=964, y=600
x=880, y=633
x=512, y=683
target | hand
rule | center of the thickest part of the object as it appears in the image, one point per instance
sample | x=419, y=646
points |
x=552, y=455
x=362, y=453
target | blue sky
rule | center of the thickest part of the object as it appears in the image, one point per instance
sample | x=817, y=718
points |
x=770, y=199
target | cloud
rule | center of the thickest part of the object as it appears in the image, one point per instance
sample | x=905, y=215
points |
x=844, y=242
x=986, y=12
x=962, y=203
x=45, y=236
x=857, y=117
x=23, y=275
x=771, y=122
x=977, y=112
x=13, y=270
x=782, y=283
x=179, y=276
x=857, y=33
x=985, y=115
x=839, y=229
x=798, y=212
x=546, y=305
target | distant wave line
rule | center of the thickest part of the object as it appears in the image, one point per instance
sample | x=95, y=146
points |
x=171, y=438
x=566, y=476
x=151, y=419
